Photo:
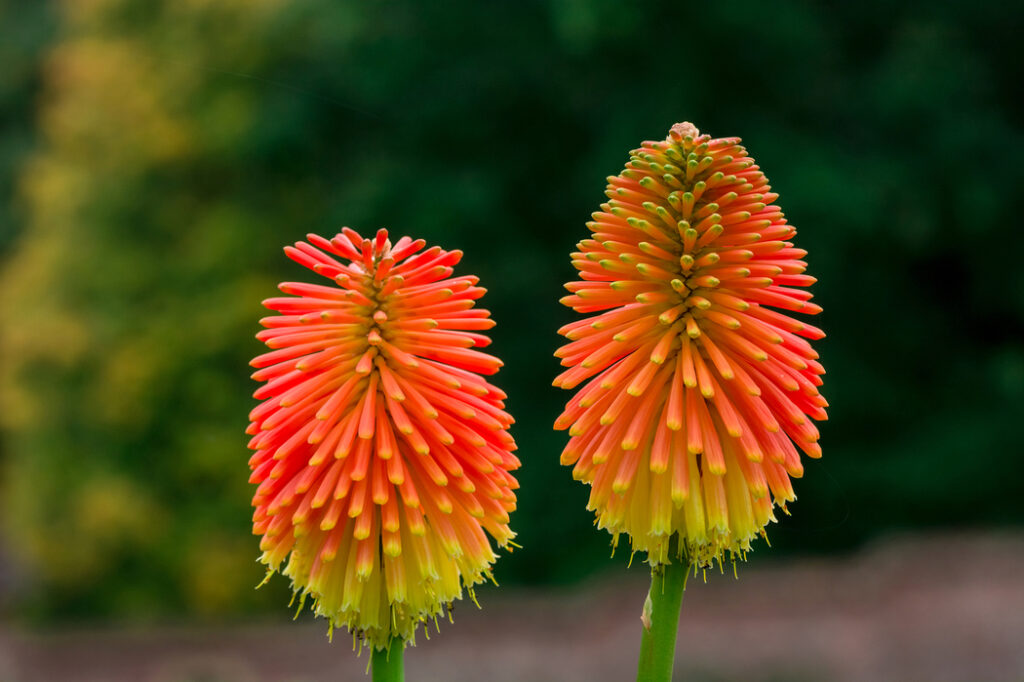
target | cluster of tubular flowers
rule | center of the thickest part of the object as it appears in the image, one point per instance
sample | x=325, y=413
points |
x=699, y=392
x=382, y=454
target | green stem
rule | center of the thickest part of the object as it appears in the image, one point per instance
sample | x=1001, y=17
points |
x=661, y=620
x=387, y=663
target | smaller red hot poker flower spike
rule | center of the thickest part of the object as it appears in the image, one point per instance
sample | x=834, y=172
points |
x=382, y=454
x=699, y=392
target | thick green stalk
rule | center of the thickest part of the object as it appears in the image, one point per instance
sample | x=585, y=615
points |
x=387, y=663
x=661, y=620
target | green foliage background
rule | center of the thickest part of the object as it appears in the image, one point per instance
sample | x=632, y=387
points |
x=156, y=155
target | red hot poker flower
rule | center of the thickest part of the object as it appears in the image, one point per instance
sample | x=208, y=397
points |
x=382, y=454
x=698, y=392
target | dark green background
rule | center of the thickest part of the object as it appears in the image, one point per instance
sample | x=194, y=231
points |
x=156, y=156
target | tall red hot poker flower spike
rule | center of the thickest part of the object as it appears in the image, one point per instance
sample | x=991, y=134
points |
x=697, y=391
x=382, y=454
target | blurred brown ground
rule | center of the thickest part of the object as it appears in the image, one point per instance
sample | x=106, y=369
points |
x=941, y=608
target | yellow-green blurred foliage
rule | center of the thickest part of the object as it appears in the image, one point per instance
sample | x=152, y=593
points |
x=126, y=309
